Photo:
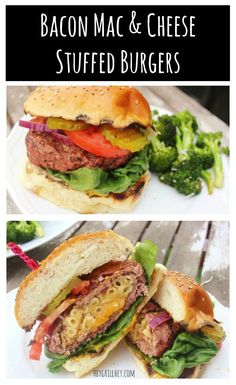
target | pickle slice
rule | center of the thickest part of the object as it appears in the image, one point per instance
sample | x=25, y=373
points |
x=66, y=125
x=130, y=138
x=61, y=296
x=215, y=332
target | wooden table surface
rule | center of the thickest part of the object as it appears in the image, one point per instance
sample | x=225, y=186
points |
x=168, y=97
x=199, y=249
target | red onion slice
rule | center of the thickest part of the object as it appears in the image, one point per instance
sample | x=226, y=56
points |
x=37, y=127
x=159, y=319
x=60, y=137
x=40, y=127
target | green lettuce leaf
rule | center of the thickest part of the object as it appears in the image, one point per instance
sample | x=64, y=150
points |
x=56, y=365
x=145, y=253
x=188, y=350
x=105, y=182
x=95, y=345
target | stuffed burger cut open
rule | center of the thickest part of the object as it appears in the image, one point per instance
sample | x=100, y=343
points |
x=87, y=146
x=86, y=296
x=176, y=334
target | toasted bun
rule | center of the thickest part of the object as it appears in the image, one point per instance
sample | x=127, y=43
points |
x=186, y=301
x=147, y=369
x=83, y=364
x=116, y=105
x=79, y=255
x=38, y=180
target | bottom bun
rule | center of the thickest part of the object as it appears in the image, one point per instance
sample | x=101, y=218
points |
x=146, y=368
x=36, y=179
x=84, y=363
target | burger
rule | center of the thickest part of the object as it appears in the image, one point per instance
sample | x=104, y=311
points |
x=87, y=147
x=85, y=297
x=176, y=334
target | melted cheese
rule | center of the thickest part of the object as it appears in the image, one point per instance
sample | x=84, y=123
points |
x=87, y=319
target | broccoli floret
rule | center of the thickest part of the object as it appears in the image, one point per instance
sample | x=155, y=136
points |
x=184, y=175
x=187, y=127
x=155, y=112
x=23, y=231
x=191, y=167
x=189, y=186
x=207, y=177
x=181, y=156
x=187, y=166
x=225, y=150
x=204, y=155
x=165, y=126
x=212, y=141
x=160, y=157
x=186, y=186
x=39, y=231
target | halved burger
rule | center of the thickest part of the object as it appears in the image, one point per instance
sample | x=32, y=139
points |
x=86, y=296
x=176, y=333
x=87, y=147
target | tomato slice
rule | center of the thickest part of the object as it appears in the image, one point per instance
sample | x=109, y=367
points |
x=35, y=351
x=108, y=268
x=93, y=141
x=81, y=288
x=43, y=328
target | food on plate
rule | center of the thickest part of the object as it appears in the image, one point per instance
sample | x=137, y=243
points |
x=176, y=333
x=86, y=296
x=87, y=146
x=182, y=155
x=23, y=231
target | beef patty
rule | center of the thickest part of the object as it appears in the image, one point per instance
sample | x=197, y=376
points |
x=153, y=342
x=44, y=151
x=111, y=294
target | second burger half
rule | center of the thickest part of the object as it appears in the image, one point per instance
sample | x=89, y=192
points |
x=87, y=147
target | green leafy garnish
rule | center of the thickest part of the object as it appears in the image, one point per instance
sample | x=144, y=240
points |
x=105, y=182
x=188, y=351
x=145, y=253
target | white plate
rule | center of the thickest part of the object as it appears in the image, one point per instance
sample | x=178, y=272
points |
x=19, y=366
x=51, y=230
x=158, y=198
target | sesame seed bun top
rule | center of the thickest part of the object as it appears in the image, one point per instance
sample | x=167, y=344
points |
x=116, y=105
